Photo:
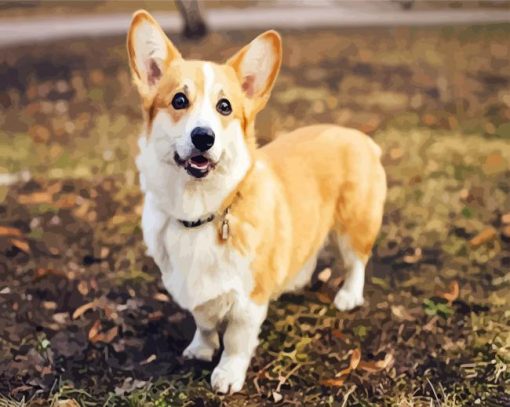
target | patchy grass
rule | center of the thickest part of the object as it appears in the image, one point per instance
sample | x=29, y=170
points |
x=84, y=315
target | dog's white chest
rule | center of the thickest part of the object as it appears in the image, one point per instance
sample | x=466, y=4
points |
x=195, y=266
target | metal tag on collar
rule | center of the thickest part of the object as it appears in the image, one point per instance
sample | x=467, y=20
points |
x=225, y=226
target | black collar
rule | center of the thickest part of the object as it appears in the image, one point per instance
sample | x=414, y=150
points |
x=196, y=223
x=225, y=225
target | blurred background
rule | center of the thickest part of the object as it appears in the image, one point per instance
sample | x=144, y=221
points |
x=84, y=319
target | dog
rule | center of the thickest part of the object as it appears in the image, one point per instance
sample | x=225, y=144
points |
x=230, y=225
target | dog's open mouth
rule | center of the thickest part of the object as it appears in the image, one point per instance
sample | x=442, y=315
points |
x=197, y=166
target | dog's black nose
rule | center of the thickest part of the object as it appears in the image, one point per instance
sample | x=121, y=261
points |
x=202, y=138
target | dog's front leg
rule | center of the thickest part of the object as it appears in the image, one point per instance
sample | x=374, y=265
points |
x=203, y=346
x=206, y=340
x=240, y=340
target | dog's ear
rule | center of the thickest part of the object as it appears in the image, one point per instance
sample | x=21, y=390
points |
x=257, y=66
x=149, y=50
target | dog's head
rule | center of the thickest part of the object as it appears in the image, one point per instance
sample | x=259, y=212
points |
x=200, y=114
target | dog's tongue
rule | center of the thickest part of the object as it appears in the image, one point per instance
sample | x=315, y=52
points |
x=199, y=161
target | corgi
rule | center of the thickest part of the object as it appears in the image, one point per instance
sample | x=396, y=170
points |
x=232, y=226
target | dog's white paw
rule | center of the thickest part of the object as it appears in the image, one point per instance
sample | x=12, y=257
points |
x=202, y=346
x=228, y=377
x=199, y=351
x=346, y=300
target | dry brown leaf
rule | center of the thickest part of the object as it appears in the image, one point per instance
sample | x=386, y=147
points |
x=66, y=201
x=105, y=337
x=61, y=317
x=82, y=210
x=82, y=309
x=43, y=272
x=413, y=258
x=323, y=297
x=83, y=288
x=505, y=219
x=324, y=275
x=67, y=403
x=35, y=198
x=337, y=382
x=355, y=358
x=378, y=365
x=94, y=331
x=401, y=313
x=453, y=294
x=150, y=359
x=277, y=397
x=161, y=297
x=429, y=326
x=484, y=236
x=50, y=305
x=10, y=231
x=338, y=334
x=21, y=245
x=353, y=364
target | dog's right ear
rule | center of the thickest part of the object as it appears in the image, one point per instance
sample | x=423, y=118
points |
x=150, y=51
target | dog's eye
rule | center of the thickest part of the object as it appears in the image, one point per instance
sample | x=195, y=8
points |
x=223, y=107
x=180, y=101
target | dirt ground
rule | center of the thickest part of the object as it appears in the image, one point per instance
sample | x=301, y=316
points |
x=83, y=314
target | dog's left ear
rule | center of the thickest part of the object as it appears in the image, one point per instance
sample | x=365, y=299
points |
x=257, y=66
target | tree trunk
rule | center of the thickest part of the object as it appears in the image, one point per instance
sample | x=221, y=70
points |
x=194, y=24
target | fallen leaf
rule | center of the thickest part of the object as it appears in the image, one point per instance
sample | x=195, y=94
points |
x=21, y=245
x=61, y=317
x=277, y=397
x=19, y=389
x=150, y=359
x=413, y=258
x=83, y=288
x=337, y=382
x=484, y=236
x=35, y=198
x=67, y=201
x=161, y=297
x=82, y=210
x=353, y=364
x=107, y=336
x=324, y=275
x=505, y=219
x=84, y=308
x=401, y=313
x=338, y=334
x=377, y=366
x=67, y=403
x=50, y=305
x=323, y=297
x=355, y=358
x=10, y=231
x=94, y=330
x=431, y=324
x=453, y=294
x=43, y=272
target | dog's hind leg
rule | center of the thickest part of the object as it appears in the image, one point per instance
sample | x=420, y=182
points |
x=351, y=293
x=358, y=220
